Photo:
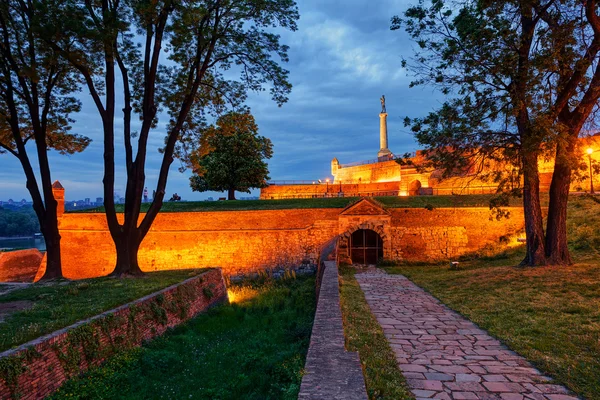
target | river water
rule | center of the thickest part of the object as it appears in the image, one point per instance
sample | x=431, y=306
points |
x=21, y=243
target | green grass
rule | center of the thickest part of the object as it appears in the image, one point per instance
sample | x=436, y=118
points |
x=334, y=202
x=550, y=315
x=252, y=349
x=60, y=304
x=364, y=334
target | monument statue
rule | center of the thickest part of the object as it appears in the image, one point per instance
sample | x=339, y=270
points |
x=384, y=152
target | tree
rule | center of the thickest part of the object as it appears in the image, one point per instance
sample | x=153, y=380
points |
x=523, y=80
x=186, y=52
x=231, y=156
x=36, y=89
x=20, y=222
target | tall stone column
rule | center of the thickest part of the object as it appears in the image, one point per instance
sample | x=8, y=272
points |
x=383, y=136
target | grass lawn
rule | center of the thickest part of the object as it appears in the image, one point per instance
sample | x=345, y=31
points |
x=254, y=348
x=59, y=304
x=364, y=334
x=549, y=315
x=476, y=200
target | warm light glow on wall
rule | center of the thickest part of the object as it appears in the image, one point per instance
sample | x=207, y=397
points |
x=238, y=294
x=231, y=295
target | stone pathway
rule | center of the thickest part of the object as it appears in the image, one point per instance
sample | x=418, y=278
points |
x=445, y=356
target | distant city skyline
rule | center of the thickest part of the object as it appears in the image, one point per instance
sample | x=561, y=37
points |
x=342, y=59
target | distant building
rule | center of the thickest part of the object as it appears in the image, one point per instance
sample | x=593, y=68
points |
x=99, y=201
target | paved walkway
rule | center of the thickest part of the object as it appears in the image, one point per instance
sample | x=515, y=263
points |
x=331, y=372
x=445, y=356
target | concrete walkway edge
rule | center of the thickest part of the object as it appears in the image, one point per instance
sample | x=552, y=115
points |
x=331, y=372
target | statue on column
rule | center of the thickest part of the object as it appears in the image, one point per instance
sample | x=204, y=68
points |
x=382, y=99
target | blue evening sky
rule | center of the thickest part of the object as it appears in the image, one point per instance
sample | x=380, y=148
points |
x=342, y=59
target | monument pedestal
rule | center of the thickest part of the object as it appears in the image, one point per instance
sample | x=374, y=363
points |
x=384, y=152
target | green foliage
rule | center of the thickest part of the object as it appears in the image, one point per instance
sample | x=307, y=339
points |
x=252, y=349
x=13, y=366
x=20, y=222
x=510, y=69
x=230, y=156
x=208, y=293
x=35, y=82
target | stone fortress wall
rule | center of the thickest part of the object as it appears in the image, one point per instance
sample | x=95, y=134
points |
x=247, y=241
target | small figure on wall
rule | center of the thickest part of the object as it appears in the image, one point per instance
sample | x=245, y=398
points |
x=382, y=100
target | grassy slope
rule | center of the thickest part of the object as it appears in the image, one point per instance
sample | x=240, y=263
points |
x=364, y=334
x=253, y=349
x=59, y=304
x=336, y=202
x=549, y=315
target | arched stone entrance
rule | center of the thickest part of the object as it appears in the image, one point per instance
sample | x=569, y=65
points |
x=366, y=247
x=414, y=188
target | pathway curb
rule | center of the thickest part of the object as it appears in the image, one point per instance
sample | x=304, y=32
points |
x=331, y=372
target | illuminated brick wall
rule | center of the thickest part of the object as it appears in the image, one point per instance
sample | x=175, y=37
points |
x=244, y=241
x=276, y=192
x=19, y=265
x=386, y=171
x=239, y=241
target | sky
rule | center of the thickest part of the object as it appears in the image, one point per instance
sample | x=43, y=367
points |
x=343, y=57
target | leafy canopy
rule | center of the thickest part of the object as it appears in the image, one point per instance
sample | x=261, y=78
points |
x=230, y=156
x=510, y=69
x=36, y=86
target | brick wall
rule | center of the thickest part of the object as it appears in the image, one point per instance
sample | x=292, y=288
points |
x=238, y=242
x=41, y=366
x=376, y=172
x=246, y=241
x=467, y=229
x=19, y=265
x=275, y=192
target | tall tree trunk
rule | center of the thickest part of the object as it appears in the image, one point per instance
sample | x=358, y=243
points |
x=231, y=194
x=127, y=246
x=46, y=212
x=53, y=258
x=534, y=228
x=557, y=250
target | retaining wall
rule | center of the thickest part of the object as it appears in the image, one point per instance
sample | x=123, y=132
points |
x=19, y=265
x=36, y=369
x=241, y=242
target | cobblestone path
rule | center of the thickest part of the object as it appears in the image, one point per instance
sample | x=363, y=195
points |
x=445, y=356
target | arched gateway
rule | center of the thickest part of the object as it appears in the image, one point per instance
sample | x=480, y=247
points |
x=366, y=247
x=364, y=228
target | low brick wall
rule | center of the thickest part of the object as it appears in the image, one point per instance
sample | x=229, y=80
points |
x=19, y=265
x=36, y=369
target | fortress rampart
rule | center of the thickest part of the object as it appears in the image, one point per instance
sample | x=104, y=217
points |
x=246, y=241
